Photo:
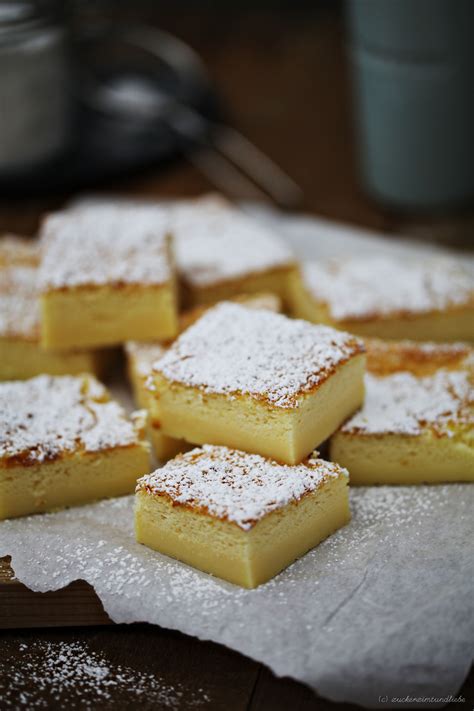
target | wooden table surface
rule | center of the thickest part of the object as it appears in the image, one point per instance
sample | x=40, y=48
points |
x=283, y=76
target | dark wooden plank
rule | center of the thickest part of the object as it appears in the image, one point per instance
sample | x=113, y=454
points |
x=198, y=674
x=273, y=693
x=77, y=604
x=279, y=694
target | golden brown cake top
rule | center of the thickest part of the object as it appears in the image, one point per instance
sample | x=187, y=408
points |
x=236, y=486
x=19, y=308
x=105, y=244
x=215, y=243
x=48, y=417
x=385, y=357
x=236, y=350
x=142, y=355
x=405, y=402
x=362, y=289
x=18, y=250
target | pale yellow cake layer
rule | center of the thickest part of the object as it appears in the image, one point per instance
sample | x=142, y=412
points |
x=165, y=447
x=141, y=394
x=71, y=480
x=455, y=324
x=105, y=315
x=21, y=359
x=246, y=558
x=402, y=459
x=276, y=281
x=285, y=434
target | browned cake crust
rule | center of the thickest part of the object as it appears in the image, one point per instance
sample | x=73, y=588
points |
x=56, y=417
x=385, y=357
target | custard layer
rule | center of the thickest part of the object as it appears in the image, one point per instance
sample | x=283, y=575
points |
x=71, y=480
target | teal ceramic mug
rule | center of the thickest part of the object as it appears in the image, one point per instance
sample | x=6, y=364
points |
x=413, y=84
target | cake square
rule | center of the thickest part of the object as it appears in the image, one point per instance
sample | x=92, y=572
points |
x=258, y=381
x=64, y=442
x=221, y=252
x=239, y=516
x=21, y=355
x=107, y=276
x=429, y=300
x=417, y=422
x=141, y=357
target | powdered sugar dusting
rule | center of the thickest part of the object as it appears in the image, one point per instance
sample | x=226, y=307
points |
x=19, y=309
x=105, y=244
x=46, y=416
x=402, y=403
x=70, y=674
x=233, y=349
x=379, y=286
x=234, y=485
x=215, y=242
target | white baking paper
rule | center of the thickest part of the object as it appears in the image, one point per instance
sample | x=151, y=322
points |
x=382, y=609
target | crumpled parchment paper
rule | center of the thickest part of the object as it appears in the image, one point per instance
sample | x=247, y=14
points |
x=383, y=609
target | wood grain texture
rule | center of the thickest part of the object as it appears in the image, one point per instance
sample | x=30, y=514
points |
x=77, y=604
x=228, y=680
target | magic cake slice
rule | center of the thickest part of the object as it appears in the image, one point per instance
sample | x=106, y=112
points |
x=141, y=357
x=239, y=516
x=417, y=422
x=431, y=300
x=63, y=442
x=221, y=252
x=107, y=276
x=258, y=381
x=21, y=355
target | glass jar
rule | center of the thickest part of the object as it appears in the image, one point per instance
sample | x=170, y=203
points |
x=34, y=103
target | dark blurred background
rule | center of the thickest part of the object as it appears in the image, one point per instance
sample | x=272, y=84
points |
x=281, y=75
